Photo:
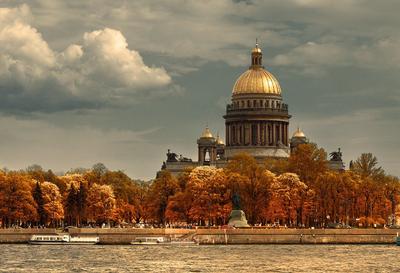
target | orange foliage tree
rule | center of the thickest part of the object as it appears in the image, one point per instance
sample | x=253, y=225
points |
x=17, y=206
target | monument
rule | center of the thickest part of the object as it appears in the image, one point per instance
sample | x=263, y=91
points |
x=237, y=218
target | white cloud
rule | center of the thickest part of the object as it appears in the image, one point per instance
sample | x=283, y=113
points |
x=103, y=68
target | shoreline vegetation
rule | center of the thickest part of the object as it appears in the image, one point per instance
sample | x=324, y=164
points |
x=300, y=192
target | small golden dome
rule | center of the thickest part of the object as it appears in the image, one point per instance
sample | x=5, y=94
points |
x=206, y=133
x=219, y=141
x=299, y=133
x=256, y=80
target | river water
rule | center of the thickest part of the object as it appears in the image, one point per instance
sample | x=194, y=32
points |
x=222, y=258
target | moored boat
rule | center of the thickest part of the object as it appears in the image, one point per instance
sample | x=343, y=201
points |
x=64, y=239
x=184, y=243
x=160, y=241
x=149, y=241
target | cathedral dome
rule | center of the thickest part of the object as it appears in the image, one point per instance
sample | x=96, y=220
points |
x=256, y=80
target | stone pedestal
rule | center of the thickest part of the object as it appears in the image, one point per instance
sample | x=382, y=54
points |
x=237, y=219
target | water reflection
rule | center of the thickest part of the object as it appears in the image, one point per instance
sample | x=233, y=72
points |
x=168, y=258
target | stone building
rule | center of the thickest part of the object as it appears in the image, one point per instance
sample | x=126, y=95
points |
x=257, y=120
x=256, y=123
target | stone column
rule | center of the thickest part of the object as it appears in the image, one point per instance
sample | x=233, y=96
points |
x=227, y=135
x=273, y=134
x=250, y=134
x=286, y=134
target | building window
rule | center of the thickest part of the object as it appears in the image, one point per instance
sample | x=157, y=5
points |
x=248, y=104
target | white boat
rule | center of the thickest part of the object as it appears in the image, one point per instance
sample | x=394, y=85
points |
x=149, y=241
x=64, y=239
x=160, y=241
x=184, y=243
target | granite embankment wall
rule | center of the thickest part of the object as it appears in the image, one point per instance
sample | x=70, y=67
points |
x=222, y=236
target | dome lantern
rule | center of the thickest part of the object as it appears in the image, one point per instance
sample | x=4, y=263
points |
x=256, y=57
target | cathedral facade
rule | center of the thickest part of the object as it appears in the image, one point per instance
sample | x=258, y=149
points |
x=256, y=123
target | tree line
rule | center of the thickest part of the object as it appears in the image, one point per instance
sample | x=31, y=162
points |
x=298, y=192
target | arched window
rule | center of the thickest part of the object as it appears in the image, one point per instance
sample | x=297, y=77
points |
x=261, y=103
x=248, y=104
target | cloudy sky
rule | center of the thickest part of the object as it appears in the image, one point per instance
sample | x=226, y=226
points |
x=121, y=81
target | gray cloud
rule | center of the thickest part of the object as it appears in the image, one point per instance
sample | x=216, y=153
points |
x=100, y=71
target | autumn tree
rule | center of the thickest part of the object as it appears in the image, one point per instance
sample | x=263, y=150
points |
x=209, y=195
x=100, y=204
x=38, y=197
x=36, y=172
x=142, y=211
x=81, y=202
x=252, y=185
x=52, y=203
x=308, y=161
x=367, y=166
x=17, y=206
x=293, y=193
x=71, y=205
x=160, y=191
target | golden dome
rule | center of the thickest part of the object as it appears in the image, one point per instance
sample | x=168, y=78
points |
x=299, y=133
x=256, y=79
x=206, y=133
x=219, y=141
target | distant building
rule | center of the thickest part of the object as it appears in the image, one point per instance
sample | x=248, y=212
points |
x=256, y=123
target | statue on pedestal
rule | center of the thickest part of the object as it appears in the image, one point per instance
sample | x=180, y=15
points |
x=237, y=217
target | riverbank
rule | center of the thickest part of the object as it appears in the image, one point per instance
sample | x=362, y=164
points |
x=220, y=236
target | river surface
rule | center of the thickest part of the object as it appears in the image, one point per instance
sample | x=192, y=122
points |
x=221, y=258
